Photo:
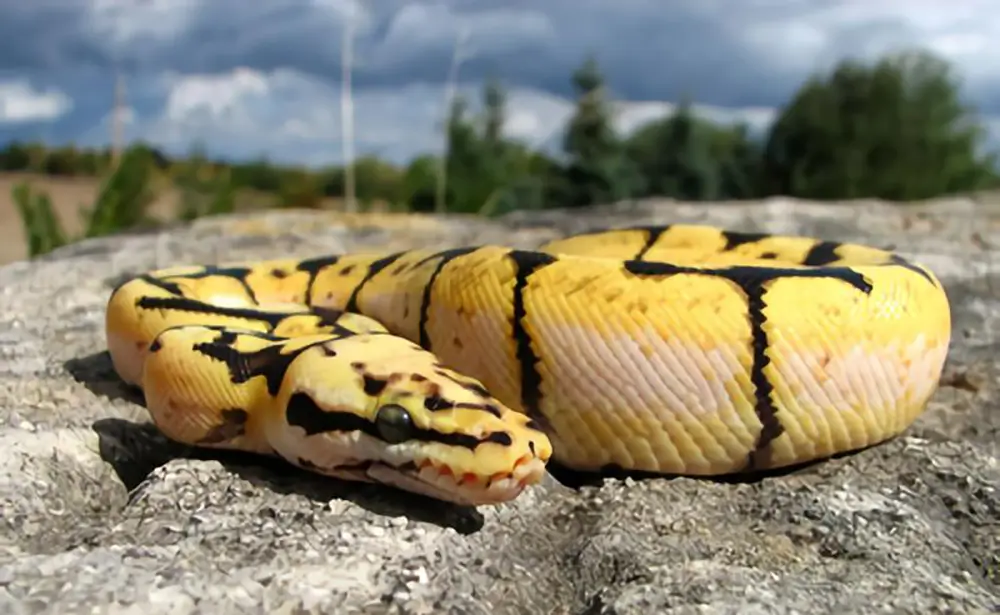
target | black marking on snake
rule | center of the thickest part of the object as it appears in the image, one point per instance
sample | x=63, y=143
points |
x=329, y=317
x=165, y=285
x=825, y=252
x=527, y=262
x=208, y=271
x=472, y=387
x=653, y=234
x=753, y=282
x=302, y=411
x=444, y=257
x=269, y=362
x=229, y=337
x=488, y=408
x=184, y=304
x=313, y=266
x=735, y=239
x=374, y=386
x=234, y=422
x=822, y=253
x=237, y=273
x=896, y=259
x=434, y=403
x=764, y=408
x=374, y=268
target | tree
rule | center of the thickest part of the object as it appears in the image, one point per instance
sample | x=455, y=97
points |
x=894, y=130
x=482, y=166
x=204, y=189
x=597, y=169
x=494, y=105
x=125, y=195
x=468, y=184
x=678, y=156
x=15, y=157
x=740, y=163
x=419, y=184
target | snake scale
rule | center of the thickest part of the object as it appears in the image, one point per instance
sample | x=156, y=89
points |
x=460, y=373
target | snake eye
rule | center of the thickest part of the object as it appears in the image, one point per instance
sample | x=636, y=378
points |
x=394, y=423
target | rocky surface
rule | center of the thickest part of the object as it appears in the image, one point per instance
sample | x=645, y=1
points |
x=100, y=514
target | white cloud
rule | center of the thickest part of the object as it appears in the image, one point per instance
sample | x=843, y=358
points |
x=248, y=78
x=21, y=102
x=806, y=36
x=296, y=118
x=214, y=94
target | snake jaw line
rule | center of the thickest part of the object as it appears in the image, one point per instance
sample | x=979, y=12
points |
x=468, y=488
x=434, y=479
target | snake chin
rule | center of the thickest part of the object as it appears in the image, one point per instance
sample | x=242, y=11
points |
x=468, y=489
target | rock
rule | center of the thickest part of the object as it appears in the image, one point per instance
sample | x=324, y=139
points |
x=101, y=514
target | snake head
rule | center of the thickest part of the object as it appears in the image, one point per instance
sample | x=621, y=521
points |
x=378, y=408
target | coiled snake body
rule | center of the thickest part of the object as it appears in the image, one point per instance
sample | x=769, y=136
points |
x=458, y=373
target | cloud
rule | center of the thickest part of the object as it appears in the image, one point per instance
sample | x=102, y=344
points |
x=293, y=117
x=253, y=77
x=21, y=102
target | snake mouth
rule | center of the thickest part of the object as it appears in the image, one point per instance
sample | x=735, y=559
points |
x=441, y=482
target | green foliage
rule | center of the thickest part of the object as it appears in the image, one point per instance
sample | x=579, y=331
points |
x=42, y=229
x=471, y=166
x=688, y=158
x=258, y=175
x=893, y=130
x=598, y=169
x=121, y=204
x=419, y=183
x=374, y=181
x=485, y=173
x=124, y=197
x=299, y=190
x=205, y=189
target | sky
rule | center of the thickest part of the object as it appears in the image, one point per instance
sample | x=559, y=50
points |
x=245, y=80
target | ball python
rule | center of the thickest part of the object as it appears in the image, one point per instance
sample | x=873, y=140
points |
x=460, y=373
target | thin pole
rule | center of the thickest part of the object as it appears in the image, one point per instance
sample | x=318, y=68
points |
x=118, y=119
x=347, y=115
x=449, y=96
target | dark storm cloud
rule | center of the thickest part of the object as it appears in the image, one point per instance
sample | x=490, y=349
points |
x=727, y=53
x=648, y=48
x=45, y=34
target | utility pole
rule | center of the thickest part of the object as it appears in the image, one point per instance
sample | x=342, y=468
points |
x=347, y=114
x=118, y=120
x=449, y=97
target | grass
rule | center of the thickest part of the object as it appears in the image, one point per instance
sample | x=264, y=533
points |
x=71, y=195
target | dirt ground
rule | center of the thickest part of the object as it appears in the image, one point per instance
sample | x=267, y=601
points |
x=68, y=195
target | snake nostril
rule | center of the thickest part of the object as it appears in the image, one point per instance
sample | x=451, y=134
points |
x=531, y=447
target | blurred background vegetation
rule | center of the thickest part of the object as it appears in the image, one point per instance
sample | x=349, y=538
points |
x=893, y=129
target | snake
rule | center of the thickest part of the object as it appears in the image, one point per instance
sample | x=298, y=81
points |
x=464, y=373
